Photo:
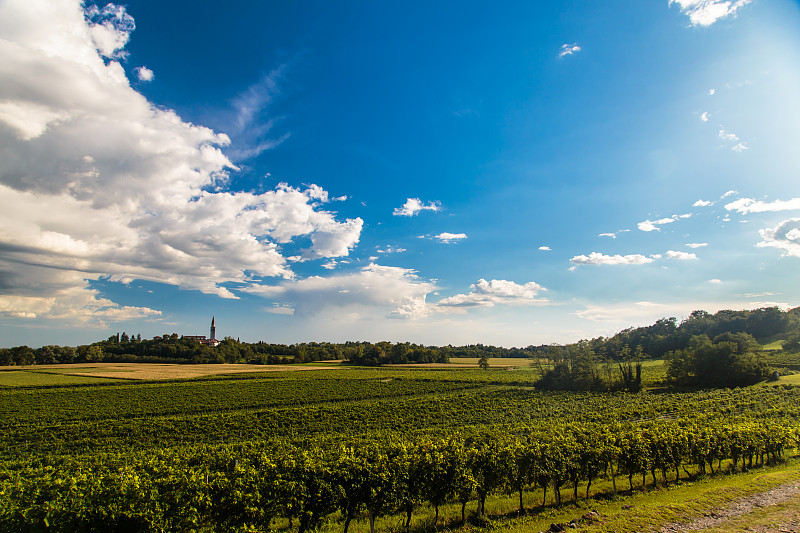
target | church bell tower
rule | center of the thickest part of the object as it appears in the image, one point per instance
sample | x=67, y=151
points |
x=213, y=335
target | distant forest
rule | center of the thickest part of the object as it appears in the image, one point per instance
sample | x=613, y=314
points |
x=726, y=334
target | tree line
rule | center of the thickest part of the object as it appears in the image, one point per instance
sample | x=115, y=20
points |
x=667, y=335
x=174, y=348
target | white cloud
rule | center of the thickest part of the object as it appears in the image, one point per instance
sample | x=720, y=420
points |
x=749, y=205
x=29, y=120
x=390, y=250
x=711, y=92
x=596, y=258
x=652, y=225
x=61, y=296
x=569, y=49
x=727, y=136
x=544, y=248
x=249, y=125
x=450, y=237
x=627, y=314
x=715, y=281
x=696, y=244
x=280, y=310
x=144, y=74
x=498, y=291
x=672, y=254
x=729, y=193
x=642, y=312
x=414, y=206
x=96, y=182
x=702, y=203
x=707, y=12
x=741, y=147
x=612, y=235
x=396, y=292
x=785, y=237
x=110, y=29
x=704, y=117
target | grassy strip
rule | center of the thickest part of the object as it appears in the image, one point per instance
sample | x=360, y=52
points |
x=682, y=502
x=644, y=511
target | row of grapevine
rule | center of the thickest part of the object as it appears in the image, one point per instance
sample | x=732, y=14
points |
x=249, y=485
x=158, y=399
x=411, y=407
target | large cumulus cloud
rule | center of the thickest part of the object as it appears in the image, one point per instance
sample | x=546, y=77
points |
x=98, y=182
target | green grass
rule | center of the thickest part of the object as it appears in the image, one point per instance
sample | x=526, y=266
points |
x=647, y=511
x=793, y=379
x=644, y=511
x=773, y=346
x=496, y=361
x=34, y=378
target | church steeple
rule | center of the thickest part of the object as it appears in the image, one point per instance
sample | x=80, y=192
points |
x=213, y=330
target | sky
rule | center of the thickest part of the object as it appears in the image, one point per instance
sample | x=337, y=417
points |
x=512, y=174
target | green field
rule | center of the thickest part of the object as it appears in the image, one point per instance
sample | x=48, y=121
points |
x=170, y=455
x=38, y=378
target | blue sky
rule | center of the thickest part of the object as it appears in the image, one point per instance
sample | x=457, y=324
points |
x=443, y=173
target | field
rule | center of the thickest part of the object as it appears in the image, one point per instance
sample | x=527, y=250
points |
x=64, y=374
x=240, y=446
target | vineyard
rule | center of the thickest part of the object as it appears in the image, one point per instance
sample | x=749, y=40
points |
x=338, y=449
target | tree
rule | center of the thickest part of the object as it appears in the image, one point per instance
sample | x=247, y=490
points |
x=730, y=360
x=483, y=362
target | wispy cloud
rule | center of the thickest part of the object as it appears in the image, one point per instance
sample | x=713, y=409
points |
x=696, y=244
x=597, y=258
x=652, y=225
x=544, y=248
x=702, y=203
x=389, y=250
x=569, y=49
x=612, y=235
x=414, y=206
x=707, y=12
x=448, y=238
x=740, y=147
x=251, y=126
x=750, y=205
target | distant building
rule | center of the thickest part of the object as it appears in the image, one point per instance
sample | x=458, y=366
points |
x=212, y=338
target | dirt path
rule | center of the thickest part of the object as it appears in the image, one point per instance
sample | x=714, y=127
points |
x=777, y=509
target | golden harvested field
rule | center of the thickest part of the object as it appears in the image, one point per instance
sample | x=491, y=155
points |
x=155, y=371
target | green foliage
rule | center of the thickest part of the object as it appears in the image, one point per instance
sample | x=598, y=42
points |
x=730, y=360
x=248, y=453
x=666, y=335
